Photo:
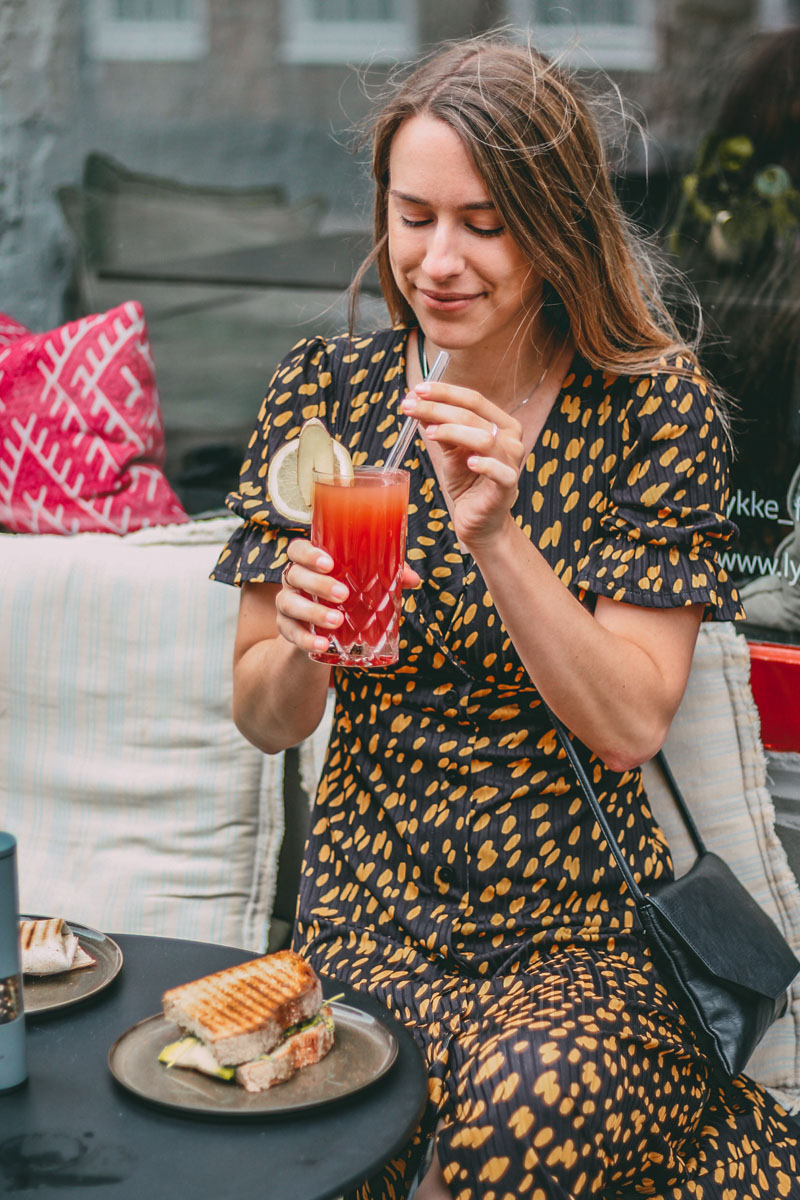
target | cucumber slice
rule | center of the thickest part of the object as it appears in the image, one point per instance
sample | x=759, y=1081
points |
x=190, y=1052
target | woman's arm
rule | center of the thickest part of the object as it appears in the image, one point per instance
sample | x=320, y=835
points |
x=278, y=691
x=614, y=677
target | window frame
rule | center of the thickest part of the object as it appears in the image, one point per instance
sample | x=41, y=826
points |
x=113, y=39
x=775, y=14
x=601, y=45
x=309, y=40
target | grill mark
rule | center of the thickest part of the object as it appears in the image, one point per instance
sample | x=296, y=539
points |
x=38, y=933
x=243, y=999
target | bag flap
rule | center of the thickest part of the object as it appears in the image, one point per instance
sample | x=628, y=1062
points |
x=720, y=921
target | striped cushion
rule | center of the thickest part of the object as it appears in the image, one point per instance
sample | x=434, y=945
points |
x=137, y=805
x=714, y=749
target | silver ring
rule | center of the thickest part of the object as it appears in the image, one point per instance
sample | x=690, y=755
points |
x=284, y=580
x=494, y=433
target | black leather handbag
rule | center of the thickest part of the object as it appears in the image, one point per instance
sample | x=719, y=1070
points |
x=722, y=958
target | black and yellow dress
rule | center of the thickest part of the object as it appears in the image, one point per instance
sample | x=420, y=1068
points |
x=453, y=869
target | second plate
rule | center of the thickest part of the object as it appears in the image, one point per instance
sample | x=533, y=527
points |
x=47, y=993
x=363, y=1050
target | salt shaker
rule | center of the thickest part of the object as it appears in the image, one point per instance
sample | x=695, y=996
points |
x=13, y=1070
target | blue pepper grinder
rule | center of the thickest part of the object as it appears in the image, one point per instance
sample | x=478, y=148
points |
x=13, y=1070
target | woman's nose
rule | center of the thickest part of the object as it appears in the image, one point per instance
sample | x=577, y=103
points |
x=442, y=255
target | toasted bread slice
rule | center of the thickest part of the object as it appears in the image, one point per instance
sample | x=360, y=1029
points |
x=241, y=1012
x=300, y=1050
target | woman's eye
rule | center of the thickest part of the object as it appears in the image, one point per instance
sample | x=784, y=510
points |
x=482, y=232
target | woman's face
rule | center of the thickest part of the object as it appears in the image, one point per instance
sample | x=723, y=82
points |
x=468, y=282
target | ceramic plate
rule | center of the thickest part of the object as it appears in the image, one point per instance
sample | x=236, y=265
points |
x=363, y=1050
x=46, y=993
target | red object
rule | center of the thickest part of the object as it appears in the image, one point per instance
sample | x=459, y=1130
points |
x=11, y=330
x=775, y=682
x=362, y=525
x=81, y=435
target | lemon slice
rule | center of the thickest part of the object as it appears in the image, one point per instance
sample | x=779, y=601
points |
x=342, y=462
x=321, y=453
x=314, y=453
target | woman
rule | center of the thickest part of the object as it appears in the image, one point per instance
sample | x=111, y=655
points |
x=566, y=493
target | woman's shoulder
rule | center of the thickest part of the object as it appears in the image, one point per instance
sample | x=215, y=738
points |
x=349, y=348
x=337, y=365
x=669, y=398
x=671, y=376
x=338, y=379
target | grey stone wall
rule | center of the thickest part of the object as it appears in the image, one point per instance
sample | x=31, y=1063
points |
x=244, y=116
x=38, y=88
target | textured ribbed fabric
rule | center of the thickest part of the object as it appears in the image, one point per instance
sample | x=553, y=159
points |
x=453, y=868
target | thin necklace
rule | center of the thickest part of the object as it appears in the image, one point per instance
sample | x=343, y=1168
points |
x=423, y=362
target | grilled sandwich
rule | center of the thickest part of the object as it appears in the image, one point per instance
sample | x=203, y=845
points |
x=256, y=1024
x=48, y=946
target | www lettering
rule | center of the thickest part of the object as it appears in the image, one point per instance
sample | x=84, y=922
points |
x=736, y=564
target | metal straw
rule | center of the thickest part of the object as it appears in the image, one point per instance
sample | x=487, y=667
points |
x=410, y=425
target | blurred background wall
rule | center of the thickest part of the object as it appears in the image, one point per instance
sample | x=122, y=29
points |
x=240, y=92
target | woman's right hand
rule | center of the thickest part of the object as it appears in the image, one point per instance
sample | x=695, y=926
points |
x=309, y=595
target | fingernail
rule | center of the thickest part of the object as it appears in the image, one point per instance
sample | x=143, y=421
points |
x=423, y=388
x=409, y=405
x=339, y=591
x=324, y=562
x=333, y=619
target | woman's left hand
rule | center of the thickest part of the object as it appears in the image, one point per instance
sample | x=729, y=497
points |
x=481, y=455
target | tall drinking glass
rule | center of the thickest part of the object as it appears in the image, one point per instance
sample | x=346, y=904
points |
x=361, y=523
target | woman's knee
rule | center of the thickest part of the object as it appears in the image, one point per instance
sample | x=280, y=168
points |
x=526, y=1109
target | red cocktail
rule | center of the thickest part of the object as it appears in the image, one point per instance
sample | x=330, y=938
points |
x=361, y=522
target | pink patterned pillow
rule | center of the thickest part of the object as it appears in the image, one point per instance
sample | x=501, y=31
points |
x=10, y=330
x=81, y=436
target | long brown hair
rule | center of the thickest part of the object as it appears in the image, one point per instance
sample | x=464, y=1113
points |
x=535, y=144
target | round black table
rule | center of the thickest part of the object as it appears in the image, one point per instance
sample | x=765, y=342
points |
x=73, y=1128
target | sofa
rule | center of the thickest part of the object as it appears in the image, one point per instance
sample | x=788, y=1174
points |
x=136, y=803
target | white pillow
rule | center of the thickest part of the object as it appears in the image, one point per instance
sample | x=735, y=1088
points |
x=137, y=805
x=715, y=752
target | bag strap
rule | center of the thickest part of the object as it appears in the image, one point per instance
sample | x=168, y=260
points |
x=600, y=816
x=683, y=807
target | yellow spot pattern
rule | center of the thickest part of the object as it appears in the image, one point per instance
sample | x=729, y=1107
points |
x=451, y=869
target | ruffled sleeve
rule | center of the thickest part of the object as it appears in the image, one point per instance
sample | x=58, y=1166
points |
x=664, y=535
x=301, y=387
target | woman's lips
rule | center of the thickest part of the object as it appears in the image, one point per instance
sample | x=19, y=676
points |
x=448, y=301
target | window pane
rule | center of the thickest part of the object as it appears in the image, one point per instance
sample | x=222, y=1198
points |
x=587, y=12
x=153, y=10
x=353, y=10
x=330, y=10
